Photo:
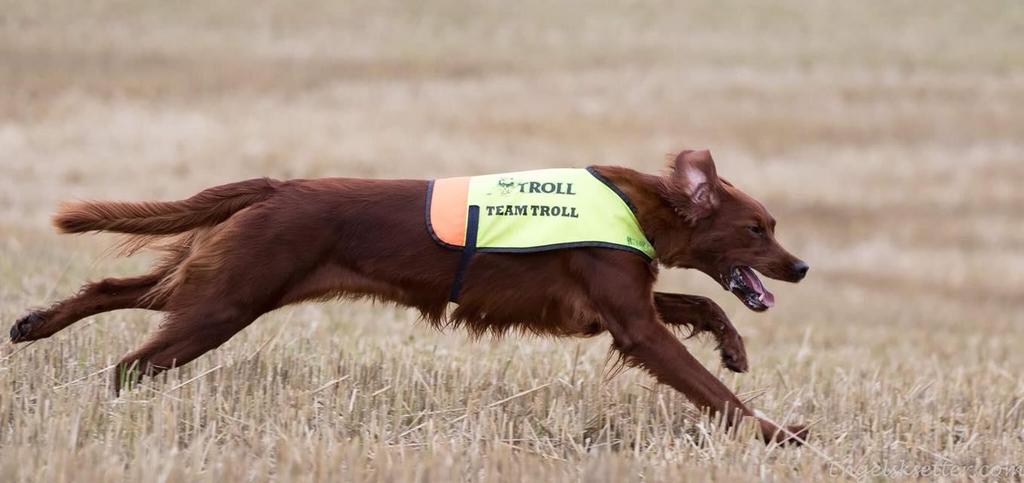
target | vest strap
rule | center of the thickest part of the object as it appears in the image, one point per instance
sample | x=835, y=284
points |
x=468, y=250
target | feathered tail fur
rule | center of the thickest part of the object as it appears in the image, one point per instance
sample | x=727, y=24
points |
x=158, y=218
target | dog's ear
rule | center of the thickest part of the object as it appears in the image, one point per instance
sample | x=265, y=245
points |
x=695, y=185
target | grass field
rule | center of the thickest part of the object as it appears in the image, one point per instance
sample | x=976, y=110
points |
x=887, y=138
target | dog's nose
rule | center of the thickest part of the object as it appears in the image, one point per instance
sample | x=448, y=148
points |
x=800, y=268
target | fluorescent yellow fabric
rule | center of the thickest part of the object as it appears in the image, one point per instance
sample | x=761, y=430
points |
x=547, y=209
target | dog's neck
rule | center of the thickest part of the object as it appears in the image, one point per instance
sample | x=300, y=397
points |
x=663, y=227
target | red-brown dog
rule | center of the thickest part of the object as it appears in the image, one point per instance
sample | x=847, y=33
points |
x=241, y=250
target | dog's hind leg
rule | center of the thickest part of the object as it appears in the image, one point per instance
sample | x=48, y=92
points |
x=93, y=298
x=180, y=339
x=702, y=314
x=217, y=293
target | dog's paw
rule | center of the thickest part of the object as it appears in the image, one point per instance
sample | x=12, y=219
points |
x=734, y=355
x=795, y=434
x=21, y=329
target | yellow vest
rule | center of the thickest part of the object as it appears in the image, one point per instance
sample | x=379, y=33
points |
x=531, y=211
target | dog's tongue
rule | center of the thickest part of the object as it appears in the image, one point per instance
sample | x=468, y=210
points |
x=766, y=297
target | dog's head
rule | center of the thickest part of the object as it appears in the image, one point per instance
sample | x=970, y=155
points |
x=729, y=233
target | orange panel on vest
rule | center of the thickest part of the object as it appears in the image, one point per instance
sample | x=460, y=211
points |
x=448, y=210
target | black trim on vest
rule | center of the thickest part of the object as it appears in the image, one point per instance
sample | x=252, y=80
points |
x=472, y=224
x=561, y=246
x=593, y=171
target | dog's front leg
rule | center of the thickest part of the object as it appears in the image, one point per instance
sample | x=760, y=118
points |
x=646, y=342
x=702, y=314
x=620, y=289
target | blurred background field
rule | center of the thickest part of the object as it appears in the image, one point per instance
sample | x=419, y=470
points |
x=886, y=137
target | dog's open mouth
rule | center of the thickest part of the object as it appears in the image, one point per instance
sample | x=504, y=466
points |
x=743, y=282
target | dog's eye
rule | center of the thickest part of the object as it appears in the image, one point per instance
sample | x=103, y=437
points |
x=756, y=229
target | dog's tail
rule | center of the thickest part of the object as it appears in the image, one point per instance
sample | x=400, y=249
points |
x=156, y=218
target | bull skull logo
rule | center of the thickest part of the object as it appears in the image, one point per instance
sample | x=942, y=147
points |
x=506, y=185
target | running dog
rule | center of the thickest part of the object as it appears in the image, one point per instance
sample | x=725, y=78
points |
x=237, y=251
